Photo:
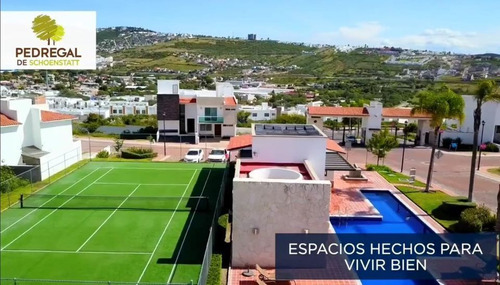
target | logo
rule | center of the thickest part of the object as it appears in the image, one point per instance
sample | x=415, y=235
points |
x=48, y=40
x=46, y=29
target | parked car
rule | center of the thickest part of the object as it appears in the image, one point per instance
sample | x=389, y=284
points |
x=218, y=155
x=351, y=139
x=194, y=155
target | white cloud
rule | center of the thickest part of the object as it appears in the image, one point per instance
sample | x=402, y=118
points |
x=372, y=34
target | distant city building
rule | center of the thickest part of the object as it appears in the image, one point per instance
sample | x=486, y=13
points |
x=252, y=37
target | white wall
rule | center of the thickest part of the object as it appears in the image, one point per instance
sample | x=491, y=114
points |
x=228, y=131
x=56, y=136
x=55, y=162
x=169, y=125
x=298, y=149
x=279, y=206
x=11, y=142
x=168, y=87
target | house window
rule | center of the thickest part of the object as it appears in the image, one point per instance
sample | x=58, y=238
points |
x=210, y=112
x=114, y=111
x=227, y=125
x=205, y=127
x=266, y=114
x=254, y=114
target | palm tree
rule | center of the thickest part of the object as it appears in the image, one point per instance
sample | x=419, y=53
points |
x=485, y=92
x=440, y=104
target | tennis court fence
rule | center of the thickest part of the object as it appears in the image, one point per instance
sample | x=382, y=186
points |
x=17, y=281
x=207, y=257
x=28, y=179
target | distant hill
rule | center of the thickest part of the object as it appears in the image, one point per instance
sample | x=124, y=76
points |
x=115, y=32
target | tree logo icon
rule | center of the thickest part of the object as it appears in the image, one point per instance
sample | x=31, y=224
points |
x=46, y=29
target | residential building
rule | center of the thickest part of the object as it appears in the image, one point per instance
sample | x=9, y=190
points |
x=252, y=37
x=259, y=113
x=280, y=189
x=188, y=115
x=490, y=114
x=32, y=135
x=371, y=117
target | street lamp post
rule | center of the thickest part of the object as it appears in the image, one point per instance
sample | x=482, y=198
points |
x=404, y=145
x=164, y=139
x=480, y=145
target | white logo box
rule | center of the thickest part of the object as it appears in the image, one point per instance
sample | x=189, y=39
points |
x=79, y=40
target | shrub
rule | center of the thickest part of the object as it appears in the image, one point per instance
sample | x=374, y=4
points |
x=214, y=272
x=103, y=154
x=447, y=142
x=475, y=220
x=491, y=147
x=9, y=181
x=138, y=153
x=457, y=207
x=223, y=220
x=372, y=167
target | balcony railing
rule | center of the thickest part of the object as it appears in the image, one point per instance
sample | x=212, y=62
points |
x=210, y=120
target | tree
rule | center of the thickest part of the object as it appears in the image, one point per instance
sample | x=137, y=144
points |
x=485, y=92
x=58, y=34
x=440, y=104
x=242, y=117
x=290, y=119
x=44, y=27
x=380, y=144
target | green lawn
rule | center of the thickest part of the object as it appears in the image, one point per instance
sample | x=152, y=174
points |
x=430, y=202
x=128, y=230
x=494, y=171
x=395, y=177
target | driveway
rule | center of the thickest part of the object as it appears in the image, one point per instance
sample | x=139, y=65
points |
x=451, y=171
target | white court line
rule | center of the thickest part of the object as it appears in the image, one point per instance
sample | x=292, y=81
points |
x=165, y=229
x=145, y=184
x=47, y=201
x=74, y=252
x=49, y=214
x=151, y=168
x=187, y=231
x=109, y=217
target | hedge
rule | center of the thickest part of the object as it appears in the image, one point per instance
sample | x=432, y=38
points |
x=214, y=272
x=138, y=153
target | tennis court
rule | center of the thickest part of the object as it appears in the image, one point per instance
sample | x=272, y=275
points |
x=118, y=222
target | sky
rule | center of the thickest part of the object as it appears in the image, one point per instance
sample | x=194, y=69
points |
x=439, y=25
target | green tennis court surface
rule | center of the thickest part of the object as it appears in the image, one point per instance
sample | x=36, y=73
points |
x=119, y=222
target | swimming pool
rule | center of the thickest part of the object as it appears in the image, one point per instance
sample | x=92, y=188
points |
x=396, y=218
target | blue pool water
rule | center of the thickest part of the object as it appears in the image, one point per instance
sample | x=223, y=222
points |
x=396, y=218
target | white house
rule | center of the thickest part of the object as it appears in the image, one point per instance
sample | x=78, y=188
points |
x=32, y=135
x=490, y=114
x=279, y=186
x=259, y=113
x=372, y=116
x=190, y=114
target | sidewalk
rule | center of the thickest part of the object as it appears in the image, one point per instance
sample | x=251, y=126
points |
x=469, y=153
x=483, y=171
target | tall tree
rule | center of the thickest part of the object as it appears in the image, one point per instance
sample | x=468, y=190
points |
x=441, y=103
x=484, y=93
x=380, y=144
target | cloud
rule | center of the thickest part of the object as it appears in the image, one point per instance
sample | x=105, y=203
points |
x=372, y=34
x=360, y=34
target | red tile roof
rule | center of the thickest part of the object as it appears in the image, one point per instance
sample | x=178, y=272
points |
x=243, y=141
x=239, y=142
x=229, y=101
x=48, y=116
x=184, y=101
x=6, y=121
x=402, y=113
x=334, y=146
x=338, y=111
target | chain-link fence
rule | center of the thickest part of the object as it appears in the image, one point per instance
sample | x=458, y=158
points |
x=17, y=281
x=213, y=230
x=27, y=179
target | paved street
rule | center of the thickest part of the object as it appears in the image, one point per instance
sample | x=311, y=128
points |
x=451, y=172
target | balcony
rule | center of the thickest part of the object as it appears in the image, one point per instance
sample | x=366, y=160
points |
x=210, y=120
